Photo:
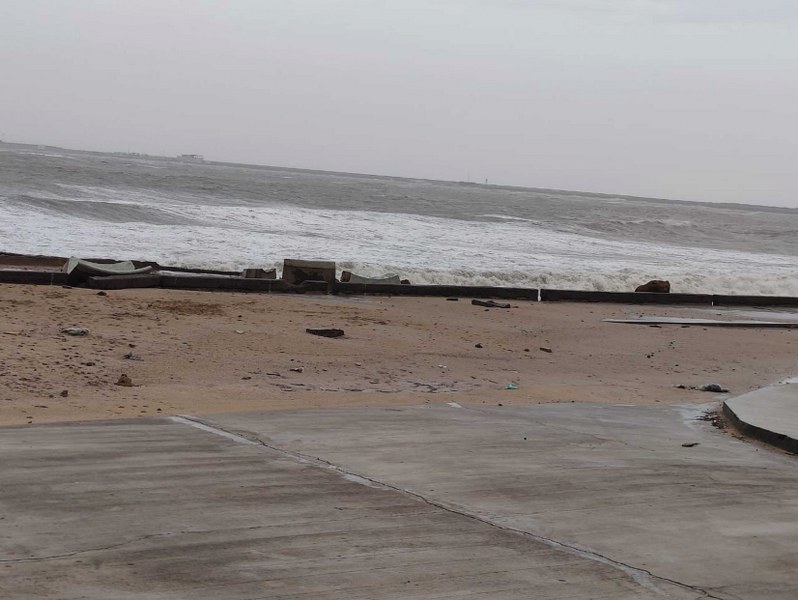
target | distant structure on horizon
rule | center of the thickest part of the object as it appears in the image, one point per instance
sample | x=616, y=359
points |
x=191, y=157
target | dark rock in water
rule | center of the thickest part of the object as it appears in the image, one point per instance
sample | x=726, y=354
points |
x=489, y=304
x=405, y=282
x=331, y=333
x=655, y=286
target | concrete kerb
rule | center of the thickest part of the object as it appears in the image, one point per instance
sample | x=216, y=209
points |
x=769, y=415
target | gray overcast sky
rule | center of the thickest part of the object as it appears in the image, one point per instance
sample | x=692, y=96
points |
x=690, y=99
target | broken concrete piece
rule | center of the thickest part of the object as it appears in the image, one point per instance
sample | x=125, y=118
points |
x=489, y=304
x=331, y=333
x=255, y=273
x=75, y=331
x=297, y=271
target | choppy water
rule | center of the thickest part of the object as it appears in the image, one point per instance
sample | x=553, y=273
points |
x=231, y=216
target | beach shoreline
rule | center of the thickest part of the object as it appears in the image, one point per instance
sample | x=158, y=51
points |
x=209, y=352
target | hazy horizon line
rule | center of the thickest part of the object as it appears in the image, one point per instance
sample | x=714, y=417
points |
x=707, y=203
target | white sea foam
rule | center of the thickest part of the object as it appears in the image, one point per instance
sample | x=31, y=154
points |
x=425, y=249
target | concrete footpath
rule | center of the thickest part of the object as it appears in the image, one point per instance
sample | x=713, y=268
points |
x=551, y=501
x=769, y=414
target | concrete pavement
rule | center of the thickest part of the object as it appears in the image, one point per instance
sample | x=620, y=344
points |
x=721, y=515
x=549, y=501
x=160, y=510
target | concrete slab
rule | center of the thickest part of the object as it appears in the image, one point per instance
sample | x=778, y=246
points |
x=616, y=481
x=770, y=414
x=704, y=322
x=160, y=510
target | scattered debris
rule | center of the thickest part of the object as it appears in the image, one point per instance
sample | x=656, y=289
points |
x=12, y=333
x=489, y=304
x=124, y=381
x=246, y=377
x=76, y=331
x=64, y=393
x=102, y=293
x=510, y=386
x=330, y=333
x=689, y=444
x=239, y=331
x=715, y=417
x=453, y=299
x=477, y=345
x=709, y=387
x=274, y=374
x=714, y=387
x=544, y=349
x=131, y=356
x=296, y=369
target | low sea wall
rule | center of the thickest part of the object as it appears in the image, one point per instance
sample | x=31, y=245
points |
x=193, y=280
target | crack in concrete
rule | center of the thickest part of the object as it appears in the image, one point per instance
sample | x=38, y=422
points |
x=642, y=577
x=80, y=552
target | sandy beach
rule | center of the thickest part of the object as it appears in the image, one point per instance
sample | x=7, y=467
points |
x=200, y=353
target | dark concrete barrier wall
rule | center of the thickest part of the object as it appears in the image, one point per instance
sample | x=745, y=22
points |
x=395, y=289
x=23, y=260
x=33, y=277
x=624, y=297
x=208, y=282
x=121, y=282
x=754, y=301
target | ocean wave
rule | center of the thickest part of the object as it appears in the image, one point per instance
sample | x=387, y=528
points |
x=104, y=211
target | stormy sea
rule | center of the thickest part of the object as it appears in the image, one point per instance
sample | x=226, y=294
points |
x=185, y=212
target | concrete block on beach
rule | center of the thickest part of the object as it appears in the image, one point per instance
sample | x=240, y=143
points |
x=297, y=271
x=31, y=277
x=256, y=273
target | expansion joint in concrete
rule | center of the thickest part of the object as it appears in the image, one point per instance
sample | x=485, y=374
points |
x=642, y=577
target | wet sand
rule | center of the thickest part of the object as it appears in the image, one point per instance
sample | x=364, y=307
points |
x=200, y=352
